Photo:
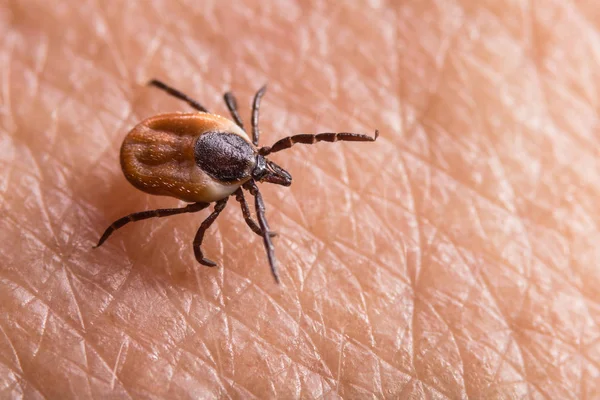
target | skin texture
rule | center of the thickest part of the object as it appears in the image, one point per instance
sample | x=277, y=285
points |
x=456, y=257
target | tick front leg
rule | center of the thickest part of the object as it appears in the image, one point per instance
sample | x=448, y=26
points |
x=264, y=226
x=219, y=206
x=138, y=216
x=255, y=111
x=231, y=103
x=239, y=196
x=289, y=141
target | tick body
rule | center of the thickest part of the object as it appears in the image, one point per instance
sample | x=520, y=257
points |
x=203, y=158
x=195, y=157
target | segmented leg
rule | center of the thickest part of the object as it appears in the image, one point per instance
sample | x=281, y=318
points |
x=219, y=206
x=289, y=141
x=233, y=109
x=255, y=108
x=264, y=226
x=138, y=216
x=176, y=93
x=239, y=196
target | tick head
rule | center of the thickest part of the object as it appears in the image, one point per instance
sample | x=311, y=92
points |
x=268, y=171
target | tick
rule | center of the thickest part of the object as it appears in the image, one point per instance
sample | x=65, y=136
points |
x=203, y=158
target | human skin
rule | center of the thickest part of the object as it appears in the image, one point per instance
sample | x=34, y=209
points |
x=456, y=257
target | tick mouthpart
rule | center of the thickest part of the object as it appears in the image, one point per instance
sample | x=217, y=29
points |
x=283, y=177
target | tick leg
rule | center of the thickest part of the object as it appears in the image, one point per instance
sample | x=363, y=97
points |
x=176, y=93
x=163, y=212
x=232, y=106
x=264, y=226
x=219, y=206
x=289, y=141
x=239, y=196
x=255, y=108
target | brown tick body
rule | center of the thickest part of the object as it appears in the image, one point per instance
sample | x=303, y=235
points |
x=203, y=158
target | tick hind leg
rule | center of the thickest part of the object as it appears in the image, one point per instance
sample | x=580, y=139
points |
x=219, y=206
x=138, y=216
x=176, y=93
x=239, y=196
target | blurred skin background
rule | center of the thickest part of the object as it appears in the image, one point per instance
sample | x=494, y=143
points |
x=456, y=257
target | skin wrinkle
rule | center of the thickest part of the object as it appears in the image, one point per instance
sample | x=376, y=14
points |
x=240, y=294
x=479, y=233
x=282, y=353
x=79, y=367
x=84, y=347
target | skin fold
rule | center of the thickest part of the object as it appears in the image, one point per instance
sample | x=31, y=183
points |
x=456, y=257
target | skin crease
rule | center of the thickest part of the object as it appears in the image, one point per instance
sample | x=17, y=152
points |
x=456, y=257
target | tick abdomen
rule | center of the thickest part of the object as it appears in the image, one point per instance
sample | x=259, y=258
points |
x=158, y=156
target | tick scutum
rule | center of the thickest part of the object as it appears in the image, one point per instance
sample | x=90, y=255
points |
x=225, y=156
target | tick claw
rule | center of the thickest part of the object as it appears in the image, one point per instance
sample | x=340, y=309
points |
x=207, y=262
x=203, y=260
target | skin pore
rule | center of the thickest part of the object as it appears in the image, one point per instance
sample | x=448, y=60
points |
x=456, y=257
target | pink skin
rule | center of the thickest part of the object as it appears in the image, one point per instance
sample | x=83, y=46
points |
x=456, y=257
